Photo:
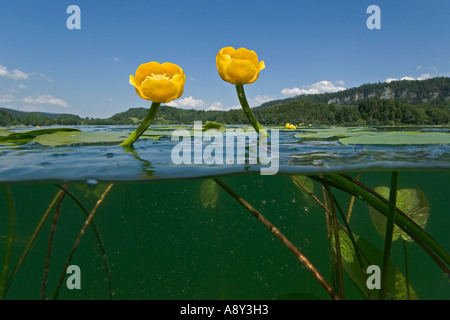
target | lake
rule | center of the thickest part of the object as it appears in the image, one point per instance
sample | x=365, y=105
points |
x=165, y=231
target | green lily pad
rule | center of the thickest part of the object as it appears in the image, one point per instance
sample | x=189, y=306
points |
x=209, y=193
x=83, y=138
x=333, y=132
x=213, y=125
x=24, y=137
x=411, y=201
x=398, y=138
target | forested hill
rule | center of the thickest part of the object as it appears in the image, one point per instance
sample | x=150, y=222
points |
x=435, y=90
x=425, y=102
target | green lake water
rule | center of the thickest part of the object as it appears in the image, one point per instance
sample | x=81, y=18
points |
x=172, y=233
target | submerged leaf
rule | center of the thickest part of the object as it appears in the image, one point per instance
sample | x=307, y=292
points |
x=411, y=201
x=397, y=285
x=209, y=193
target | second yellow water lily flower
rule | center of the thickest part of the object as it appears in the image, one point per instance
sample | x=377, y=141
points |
x=239, y=66
x=159, y=83
x=290, y=126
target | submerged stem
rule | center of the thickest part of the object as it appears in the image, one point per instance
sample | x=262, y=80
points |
x=418, y=234
x=50, y=246
x=388, y=235
x=334, y=223
x=80, y=235
x=33, y=237
x=282, y=238
x=9, y=239
x=244, y=104
x=143, y=126
x=97, y=235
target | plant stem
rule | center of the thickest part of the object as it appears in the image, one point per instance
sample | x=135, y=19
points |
x=418, y=234
x=244, y=104
x=80, y=235
x=282, y=238
x=33, y=237
x=143, y=126
x=388, y=235
x=50, y=246
x=337, y=245
x=97, y=235
x=9, y=239
x=405, y=251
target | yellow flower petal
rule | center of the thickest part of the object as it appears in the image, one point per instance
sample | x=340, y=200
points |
x=239, y=66
x=242, y=71
x=161, y=91
x=147, y=69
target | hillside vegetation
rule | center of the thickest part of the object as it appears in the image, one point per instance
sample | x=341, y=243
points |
x=425, y=102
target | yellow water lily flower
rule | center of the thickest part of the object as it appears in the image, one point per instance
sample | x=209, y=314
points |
x=159, y=83
x=239, y=66
x=290, y=126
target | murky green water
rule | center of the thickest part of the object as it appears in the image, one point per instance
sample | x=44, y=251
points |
x=189, y=239
x=165, y=231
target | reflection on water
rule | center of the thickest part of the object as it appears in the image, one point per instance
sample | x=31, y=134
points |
x=152, y=158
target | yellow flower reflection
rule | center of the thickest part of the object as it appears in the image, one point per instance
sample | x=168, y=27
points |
x=159, y=83
x=239, y=66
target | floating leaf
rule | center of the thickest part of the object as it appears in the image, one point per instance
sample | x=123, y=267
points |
x=398, y=138
x=372, y=256
x=333, y=132
x=24, y=137
x=209, y=193
x=411, y=201
x=213, y=125
x=82, y=138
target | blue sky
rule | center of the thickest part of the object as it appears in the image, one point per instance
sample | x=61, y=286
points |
x=307, y=46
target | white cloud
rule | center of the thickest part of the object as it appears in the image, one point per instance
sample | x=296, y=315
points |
x=425, y=76
x=46, y=99
x=340, y=82
x=216, y=106
x=6, y=98
x=259, y=100
x=15, y=74
x=115, y=59
x=21, y=86
x=421, y=77
x=315, y=88
x=188, y=103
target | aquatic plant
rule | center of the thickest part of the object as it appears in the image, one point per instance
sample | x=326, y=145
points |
x=159, y=83
x=240, y=67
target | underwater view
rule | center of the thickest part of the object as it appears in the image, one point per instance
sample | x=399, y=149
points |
x=140, y=227
x=220, y=159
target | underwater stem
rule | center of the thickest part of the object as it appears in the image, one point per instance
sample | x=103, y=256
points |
x=244, y=104
x=50, y=246
x=143, y=126
x=32, y=238
x=388, y=234
x=80, y=235
x=9, y=238
x=418, y=234
x=405, y=252
x=337, y=245
x=282, y=238
x=97, y=235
